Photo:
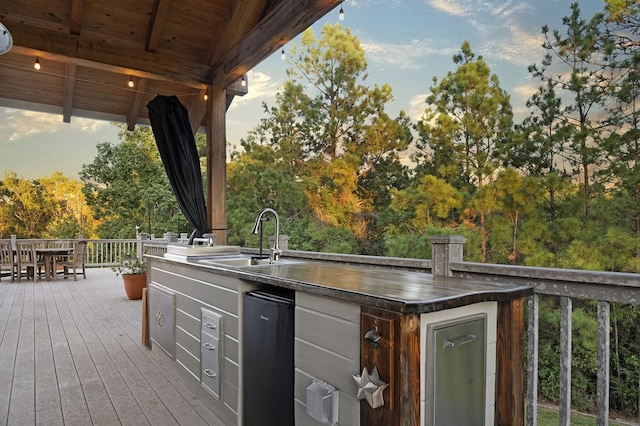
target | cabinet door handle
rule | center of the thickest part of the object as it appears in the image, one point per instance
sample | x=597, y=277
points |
x=209, y=346
x=211, y=325
x=209, y=373
x=459, y=341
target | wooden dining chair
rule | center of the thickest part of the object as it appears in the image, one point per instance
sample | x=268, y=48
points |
x=7, y=258
x=27, y=259
x=73, y=260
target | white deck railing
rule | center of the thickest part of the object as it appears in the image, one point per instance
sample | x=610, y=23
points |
x=109, y=252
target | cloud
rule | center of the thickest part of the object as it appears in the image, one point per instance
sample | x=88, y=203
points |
x=261, y=85
x=21, y=124
x=501, y=28
x=518, y=47
x=448, y=6
x=404, y=56
x=417, y=106
x=519, y=97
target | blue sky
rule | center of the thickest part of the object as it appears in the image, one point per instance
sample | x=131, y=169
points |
x=406, y=43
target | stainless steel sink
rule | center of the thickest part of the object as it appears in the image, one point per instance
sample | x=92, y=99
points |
x=241, y=261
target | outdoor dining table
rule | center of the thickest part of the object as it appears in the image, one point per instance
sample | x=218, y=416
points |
x=48, y=254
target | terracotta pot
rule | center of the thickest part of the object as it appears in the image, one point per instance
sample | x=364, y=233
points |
x=133, y=285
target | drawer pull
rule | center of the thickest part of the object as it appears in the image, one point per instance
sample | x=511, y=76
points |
x=210, y=373
x=209, y=346
x=211, y=325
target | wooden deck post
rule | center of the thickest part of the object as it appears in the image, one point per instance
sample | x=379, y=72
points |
x=445, y=249
x=217, y=163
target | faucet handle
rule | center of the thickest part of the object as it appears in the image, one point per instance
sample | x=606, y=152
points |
x=275, y=254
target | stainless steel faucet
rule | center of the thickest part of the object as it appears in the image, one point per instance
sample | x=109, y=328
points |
x=275, y=250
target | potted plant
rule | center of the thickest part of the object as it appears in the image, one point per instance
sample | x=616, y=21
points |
x=134, y=275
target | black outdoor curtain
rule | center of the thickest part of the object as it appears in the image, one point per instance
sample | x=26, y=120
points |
x=174, y=137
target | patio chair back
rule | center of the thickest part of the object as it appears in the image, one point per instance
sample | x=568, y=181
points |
x=74, y=261
x=7, y=259
x=27, y=259
x=79, y=254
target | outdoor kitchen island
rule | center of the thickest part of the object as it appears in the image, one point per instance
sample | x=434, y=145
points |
x=373, y=343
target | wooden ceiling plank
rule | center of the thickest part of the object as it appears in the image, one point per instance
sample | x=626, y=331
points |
x=69, y=85
x=287, y=20
x=75, y=20
x=158, y=18
x=137, y=97
x=67, y=48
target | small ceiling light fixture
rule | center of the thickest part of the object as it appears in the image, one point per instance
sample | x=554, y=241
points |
x=341, y=14
x=283, y=56
x=206, y=96
x=130, y=81
x=6, y=41
x=243, y=81
x=37, y=64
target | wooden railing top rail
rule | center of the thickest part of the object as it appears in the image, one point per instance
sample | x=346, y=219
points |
x=598, y=285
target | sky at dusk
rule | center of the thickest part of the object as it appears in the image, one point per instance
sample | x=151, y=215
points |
x=406, y=44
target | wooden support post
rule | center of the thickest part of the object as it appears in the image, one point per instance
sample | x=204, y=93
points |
x=217, y=163
x=510, y=364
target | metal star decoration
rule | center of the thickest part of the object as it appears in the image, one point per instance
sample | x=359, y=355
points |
x=370, y=387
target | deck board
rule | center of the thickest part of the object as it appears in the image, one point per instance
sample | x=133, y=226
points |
x=71, y=353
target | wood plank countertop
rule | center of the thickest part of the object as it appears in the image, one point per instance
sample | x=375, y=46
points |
x=365, y=284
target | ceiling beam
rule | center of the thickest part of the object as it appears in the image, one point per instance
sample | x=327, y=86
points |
x=98, y=54
x=197, y=108
x=69, y=85
x=234, y=28
x=75, y=20
x=287, y=20
x=135, y=103
x=158, y=17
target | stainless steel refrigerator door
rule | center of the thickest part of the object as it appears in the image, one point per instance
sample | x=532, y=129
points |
x=456, y=373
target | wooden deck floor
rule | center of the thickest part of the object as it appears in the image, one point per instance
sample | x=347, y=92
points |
x=71, y=354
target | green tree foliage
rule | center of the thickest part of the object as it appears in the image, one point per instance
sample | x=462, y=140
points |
x=73, y=217
x=127, y=187
x=47, y=207
x=576, y=77
x=332, y=136
x=430, y=202
x=468, y=119
x=27, y=206
x=467, y=122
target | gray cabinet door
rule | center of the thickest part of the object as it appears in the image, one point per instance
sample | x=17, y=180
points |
x=162, y=319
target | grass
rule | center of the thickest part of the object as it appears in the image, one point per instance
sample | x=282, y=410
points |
x=548, y=416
